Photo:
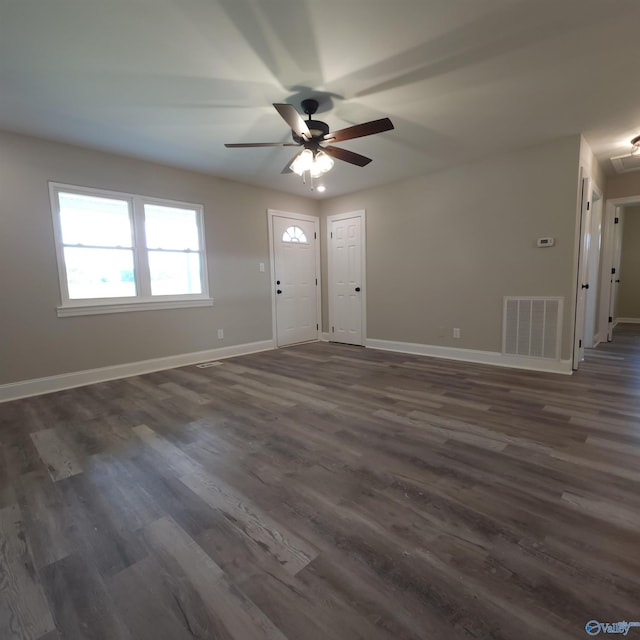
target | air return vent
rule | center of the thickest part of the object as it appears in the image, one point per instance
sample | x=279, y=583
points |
x=626, y=163
x=532, y=327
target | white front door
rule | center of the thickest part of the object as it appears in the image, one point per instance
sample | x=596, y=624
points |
x=583, y=263
x=346, y=278
x=295, y=276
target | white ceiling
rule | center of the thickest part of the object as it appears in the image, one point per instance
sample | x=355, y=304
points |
x=172, y=80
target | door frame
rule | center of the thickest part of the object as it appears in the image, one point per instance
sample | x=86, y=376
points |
x=362, y=214
x=271, y=213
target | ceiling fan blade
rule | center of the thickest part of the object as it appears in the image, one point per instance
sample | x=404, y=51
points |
x=242, y=145
x=294, y=120
x=360, y=130
x=347, y=156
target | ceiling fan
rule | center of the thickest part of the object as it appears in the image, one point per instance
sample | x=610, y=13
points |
x=311, y=134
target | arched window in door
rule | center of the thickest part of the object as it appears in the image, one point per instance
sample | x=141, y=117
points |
x=294, y=234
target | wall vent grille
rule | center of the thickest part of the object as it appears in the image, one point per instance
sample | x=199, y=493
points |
x=626, y=163
x=532, y=327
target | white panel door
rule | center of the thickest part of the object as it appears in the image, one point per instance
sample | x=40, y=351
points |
x=346, y=270
x=294, y=254
x=583, y=263
x=615, y=271
x=593, y=269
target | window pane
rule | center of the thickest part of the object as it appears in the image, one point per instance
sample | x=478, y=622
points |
x=94, y=221
x=294, y=234
x=99, y=273
x=174, y=273
x=171, y=228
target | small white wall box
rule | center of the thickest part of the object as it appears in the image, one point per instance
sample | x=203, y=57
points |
x=546, y=242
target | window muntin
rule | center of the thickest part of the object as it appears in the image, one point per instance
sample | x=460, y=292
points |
x=116, y=248
x=294, y=234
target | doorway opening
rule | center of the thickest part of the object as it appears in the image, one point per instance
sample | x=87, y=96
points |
x=620, y=270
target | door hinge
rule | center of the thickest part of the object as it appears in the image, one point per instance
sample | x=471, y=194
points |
x=588, y=204
x=333, y=329
x=316, y=282
x=613, y=270
x=610, y=319
x=616, y=220
x=579, y=343
x=317, y=327
x=315, y=235
x=332, y=234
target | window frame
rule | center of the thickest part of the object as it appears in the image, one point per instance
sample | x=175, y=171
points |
x=143, y=300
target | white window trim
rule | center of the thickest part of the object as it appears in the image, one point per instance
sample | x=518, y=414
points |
x=121, y=307
x=95, y=306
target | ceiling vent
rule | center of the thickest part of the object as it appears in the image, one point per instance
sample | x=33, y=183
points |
x=626, y=163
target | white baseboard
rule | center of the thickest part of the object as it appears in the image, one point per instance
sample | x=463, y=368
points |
x=494, y=358
x=627, y=321
x=324, y=337
x=26, y=388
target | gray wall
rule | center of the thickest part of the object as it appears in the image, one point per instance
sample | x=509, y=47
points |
x=623, y=185
x=34, y=342
x=443, y=249
x=628, y=302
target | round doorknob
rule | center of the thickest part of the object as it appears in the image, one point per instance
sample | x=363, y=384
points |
x=357, y=288
x=278, y=291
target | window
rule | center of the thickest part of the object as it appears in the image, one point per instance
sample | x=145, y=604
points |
x=294, y=234
x=121, y=252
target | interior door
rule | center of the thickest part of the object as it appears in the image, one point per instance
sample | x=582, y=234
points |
x=583, y=264
x=295, y=278
x=615, y=271
x=346, y=285
x=593, y=269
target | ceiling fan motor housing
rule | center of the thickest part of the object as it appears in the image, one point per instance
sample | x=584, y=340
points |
x=317, y=128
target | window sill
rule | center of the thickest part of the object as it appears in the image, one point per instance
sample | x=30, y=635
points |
x=100, y=308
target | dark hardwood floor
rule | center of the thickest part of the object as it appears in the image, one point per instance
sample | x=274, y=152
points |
x=326, y=492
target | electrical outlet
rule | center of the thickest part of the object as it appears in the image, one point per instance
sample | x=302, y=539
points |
x=220, y=334
x=262, y=267
x=456, y=332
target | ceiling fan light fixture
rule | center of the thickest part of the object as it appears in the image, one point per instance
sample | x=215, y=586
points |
x=321, y=164
x=635, y=146
x=303, y=162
